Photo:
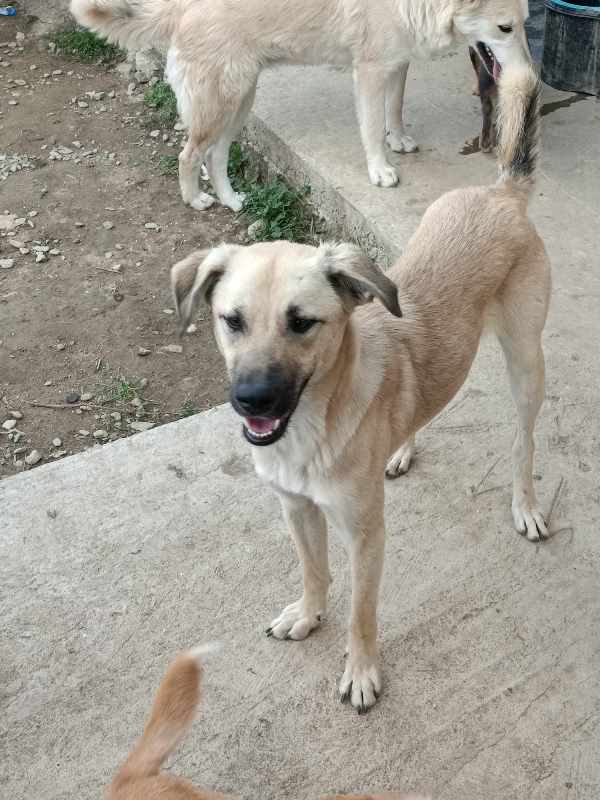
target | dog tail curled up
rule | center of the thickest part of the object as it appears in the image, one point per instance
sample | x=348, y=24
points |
x=129, y=23
x=172, y=714
x=518, y=125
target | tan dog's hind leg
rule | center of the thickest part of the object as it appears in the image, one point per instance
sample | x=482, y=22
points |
x=308, y=528
x=369, y=86
x=400, y=462
x=217, y=157
x=190, y=165
x=519, y=327
x=361, y=681
x=397, y=138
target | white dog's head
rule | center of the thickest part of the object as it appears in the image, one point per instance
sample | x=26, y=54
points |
x=496, y=28
x=280, y=311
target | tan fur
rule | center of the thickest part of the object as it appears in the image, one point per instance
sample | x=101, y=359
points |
x=172, y=713
x=216, y=51
x=363, y=381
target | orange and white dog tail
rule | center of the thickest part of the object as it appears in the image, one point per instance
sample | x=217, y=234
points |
x=131, y=23
x=171, y=716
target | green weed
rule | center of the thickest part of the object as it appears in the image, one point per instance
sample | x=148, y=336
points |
x=87, y=47
x=161, y=98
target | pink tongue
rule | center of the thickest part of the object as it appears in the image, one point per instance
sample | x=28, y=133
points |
x=259, y=425
x=496, y=69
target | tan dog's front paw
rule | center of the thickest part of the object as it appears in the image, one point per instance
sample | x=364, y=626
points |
x=401, y=142
x=361, y=683
x=383, y=174
x=294, y=622
x=529, y=521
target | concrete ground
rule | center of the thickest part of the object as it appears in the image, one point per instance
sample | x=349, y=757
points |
x=115, y=559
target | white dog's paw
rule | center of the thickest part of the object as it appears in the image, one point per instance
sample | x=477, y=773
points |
x=294, y=622
x=383, y=174
x=202, y=201
x=235, y=201
x=529, y=521
x=400, y=462
x=401, y=142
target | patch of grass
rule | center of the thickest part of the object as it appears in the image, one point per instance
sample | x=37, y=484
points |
x=120, y=391
x=161, y=98
x=282, y=210
x=87, y=47
x=169, y=165
x=188, y=409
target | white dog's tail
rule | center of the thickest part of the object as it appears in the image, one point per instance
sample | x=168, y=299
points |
x=130, y=23
x=518, y=125
x=172, y=714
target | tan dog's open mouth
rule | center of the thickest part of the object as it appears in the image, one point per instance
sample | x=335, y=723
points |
x=264, y=430
x=490, y=62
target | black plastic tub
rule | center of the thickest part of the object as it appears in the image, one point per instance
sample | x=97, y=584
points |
x=571, y=59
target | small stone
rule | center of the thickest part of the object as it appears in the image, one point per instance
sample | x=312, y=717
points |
x=40, y=257
x=172, y=348
x=143, y=383
x=72, y=397
x=47, y=383
x=168, y=311
x=100, y=434
x=9, y=424
x=54, y=252
x=82, y=225
x=255, y=230
x=82, y=104
x=33, y=458
x=7, y=263
x=192, y=328
x=152, y=226
x=83, y=432
x=143, y=351
x=16, y=414
x=116, y=416
x=108, y=226
x=56, y=442
x=155, y=134
x=136, y=402
x=141, y=426
x=86, y=397
x=61, y=346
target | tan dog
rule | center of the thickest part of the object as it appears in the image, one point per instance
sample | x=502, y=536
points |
x=330, y=389
x=172, y=714
x=217, y=50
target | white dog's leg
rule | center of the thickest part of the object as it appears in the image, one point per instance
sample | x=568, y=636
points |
x=361, y=681
x=308, y=528
x=369, y=84
x=397, y=138
x=218, y=156
x=400, y=462
x=190, y=164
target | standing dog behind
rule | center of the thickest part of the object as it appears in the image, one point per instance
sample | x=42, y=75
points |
x=172, y=714
x=217, y=50
x=330, y=388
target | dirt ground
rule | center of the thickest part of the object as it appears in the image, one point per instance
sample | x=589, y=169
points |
x=89, y=228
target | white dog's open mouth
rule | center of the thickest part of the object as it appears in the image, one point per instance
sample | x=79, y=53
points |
x=489, y=60
x=265, y=430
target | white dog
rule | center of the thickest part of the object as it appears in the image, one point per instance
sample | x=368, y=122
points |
x=217, y=49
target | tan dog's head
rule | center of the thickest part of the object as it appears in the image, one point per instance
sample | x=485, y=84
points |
x=496, y=29
x=280, y=311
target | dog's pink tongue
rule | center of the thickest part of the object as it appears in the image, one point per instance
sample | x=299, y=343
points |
x=260, y=425
x=496, y=69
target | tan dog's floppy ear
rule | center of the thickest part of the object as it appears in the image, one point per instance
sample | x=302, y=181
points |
x=356, y=278
x=195, y=278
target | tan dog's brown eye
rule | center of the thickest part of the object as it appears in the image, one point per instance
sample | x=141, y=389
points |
x=505, y=28
x=301, y=324
x=235, y=322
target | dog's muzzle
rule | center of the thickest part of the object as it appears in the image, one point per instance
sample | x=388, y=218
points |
x=266, y=401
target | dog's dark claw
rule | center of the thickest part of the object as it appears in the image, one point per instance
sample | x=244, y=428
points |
x=344, y=696
x=269, y=631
